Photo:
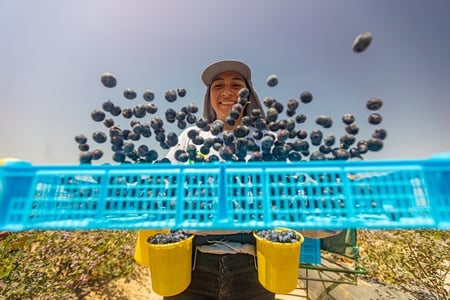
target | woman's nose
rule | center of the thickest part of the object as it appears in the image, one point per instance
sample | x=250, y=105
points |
x=227, y=93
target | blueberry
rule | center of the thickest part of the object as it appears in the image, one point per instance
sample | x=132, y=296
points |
x=108, y=122
x=192, y=133
x=272, y=80
x=302, y=134
x=181, y=124
x=294, y=156
x=137, y=128
x=133, y=136
x=81, y=139
x=341, y=154
x=329, y=140
x=290, y=112
x=226, y=153
x=241, y=131
x=198, y=140
x=98, y=115
x=139, y=111
x=300, y=118
x=268, y=101
x=347, y=139
x=260, y=124
x=267, y=142
x=96, y=154
x=306, y=97
x=152, y=155
x=156, y=123
x=278, y=106
x=201, y=123
x=316, y=137
x=117, y=141
x=129, y=94
x=180, y=116
x=348, y=119
x=115, y=131
x=273, y=126
x=160, y=137
x=172, y=139
x=83, y=147
x=317, y=155
x=181, y=155
x=116, y=111
x=142, y=150
x=151, y=108
x=234, y=114
x=230, y=121
x=352, y=129
x=244, y=93
x=99, y=137
x=181, y=92
x=148, y=95
x=171, y=115
x=375, y=118
x=374, y=104
x=256, y=156
x=108, y=80
x=361, y=42
x=119, y=157
x=191, y=119
x=242, y=101
x=283, y=135
x=379, y=134
x=325, y=149
x=192, y=108
x=108, y=106
x=128, y=147
x=257, y=134
x=324, y=121
x=127, y=113
x=228, y=137
x=247, y=121
x=85, y=157
x=272, y=114
x=375, y=144
x=191, y=150
x=355, y=154
x=292, y=104
x=171, y=95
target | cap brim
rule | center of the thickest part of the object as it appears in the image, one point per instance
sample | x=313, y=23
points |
x=225, y=66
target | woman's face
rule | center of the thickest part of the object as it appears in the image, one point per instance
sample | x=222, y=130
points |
x=224, y=92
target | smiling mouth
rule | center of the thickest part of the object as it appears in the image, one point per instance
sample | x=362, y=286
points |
x=227, y=102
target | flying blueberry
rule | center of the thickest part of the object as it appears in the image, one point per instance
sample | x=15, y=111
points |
x=108, y=106
x=171, y=95
x=272, y=80
x=129, y=94
x=306, y=97
x=362, y=42
x=374, y=103
x=98, y=115
x=181, y=92
x=148, y=95
x=108, y=80
x=81, y=139
x=99, y=137
x=375, y=118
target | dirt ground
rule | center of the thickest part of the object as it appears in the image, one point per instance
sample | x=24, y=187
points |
x=136, y=287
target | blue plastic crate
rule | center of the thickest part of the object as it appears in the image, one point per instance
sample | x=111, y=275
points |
x=310, y=251
x=312, y=195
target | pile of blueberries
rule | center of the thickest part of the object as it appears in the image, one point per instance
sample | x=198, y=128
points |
x=167, y=238
x=286, y=236
x=259, y=137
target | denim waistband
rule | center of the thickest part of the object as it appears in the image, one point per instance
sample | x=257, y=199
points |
x=243, y=238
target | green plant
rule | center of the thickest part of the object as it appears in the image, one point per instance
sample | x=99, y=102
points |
x=62, y=264
x=418, y=261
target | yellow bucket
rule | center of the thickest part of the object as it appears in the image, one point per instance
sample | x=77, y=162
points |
x=170, y=266
x=141, y=254
x=278, y=263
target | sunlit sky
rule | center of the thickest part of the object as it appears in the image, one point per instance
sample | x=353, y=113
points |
x=52, y=54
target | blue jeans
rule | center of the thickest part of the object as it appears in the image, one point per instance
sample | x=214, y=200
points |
x=224, y=277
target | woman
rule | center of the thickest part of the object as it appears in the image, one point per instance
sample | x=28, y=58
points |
x=224, y=261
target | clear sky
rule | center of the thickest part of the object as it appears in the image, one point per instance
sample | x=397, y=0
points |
x=52, y=54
